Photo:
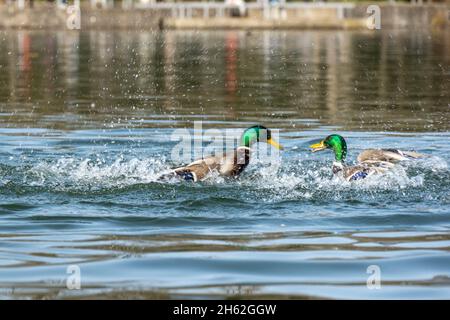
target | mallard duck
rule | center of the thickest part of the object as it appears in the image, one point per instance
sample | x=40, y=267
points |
x=370, y=161
x=230, y=164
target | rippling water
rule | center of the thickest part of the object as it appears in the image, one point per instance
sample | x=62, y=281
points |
x=86, y=120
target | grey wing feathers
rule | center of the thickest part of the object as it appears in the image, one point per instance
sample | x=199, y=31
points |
x=387, y=155
x=194, y=171
x=228, y=164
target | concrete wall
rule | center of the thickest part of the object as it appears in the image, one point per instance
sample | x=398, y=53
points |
x=41, y=16
x=409, y=16
x=48, y=16
x=45, y=15
x=121, y=19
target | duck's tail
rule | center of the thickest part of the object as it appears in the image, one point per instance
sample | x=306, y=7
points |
x=412, y=154
x=405, y=155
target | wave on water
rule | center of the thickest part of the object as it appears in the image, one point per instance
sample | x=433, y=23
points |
x=306, y=179
x=293, y=179
x=72, y=173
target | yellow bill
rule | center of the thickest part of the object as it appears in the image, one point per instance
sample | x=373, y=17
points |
x=275, y=144
x=318, y=146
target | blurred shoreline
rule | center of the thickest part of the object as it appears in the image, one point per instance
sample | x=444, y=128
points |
x=339, y=16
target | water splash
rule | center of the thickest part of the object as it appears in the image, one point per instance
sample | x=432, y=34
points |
x=94, y=174
x=301, y=179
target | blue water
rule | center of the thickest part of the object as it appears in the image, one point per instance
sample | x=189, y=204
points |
x=85, y=129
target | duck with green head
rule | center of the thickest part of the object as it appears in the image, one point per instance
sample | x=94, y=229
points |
x=230, y=164
x=370, y=161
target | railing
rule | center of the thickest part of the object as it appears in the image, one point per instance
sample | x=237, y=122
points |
x=186, y=9
x=210, y=9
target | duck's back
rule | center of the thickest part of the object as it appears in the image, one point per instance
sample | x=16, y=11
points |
x=234, y=162
x=231, y=163
x=386, y=155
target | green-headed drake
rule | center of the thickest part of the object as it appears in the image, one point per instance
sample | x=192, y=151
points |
x=370, y=161
x=230, y=164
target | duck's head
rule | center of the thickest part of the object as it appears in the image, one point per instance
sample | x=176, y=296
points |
x=258, y=133
x=336, y=143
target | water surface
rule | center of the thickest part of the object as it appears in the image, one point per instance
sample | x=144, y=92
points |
x=86, y=120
